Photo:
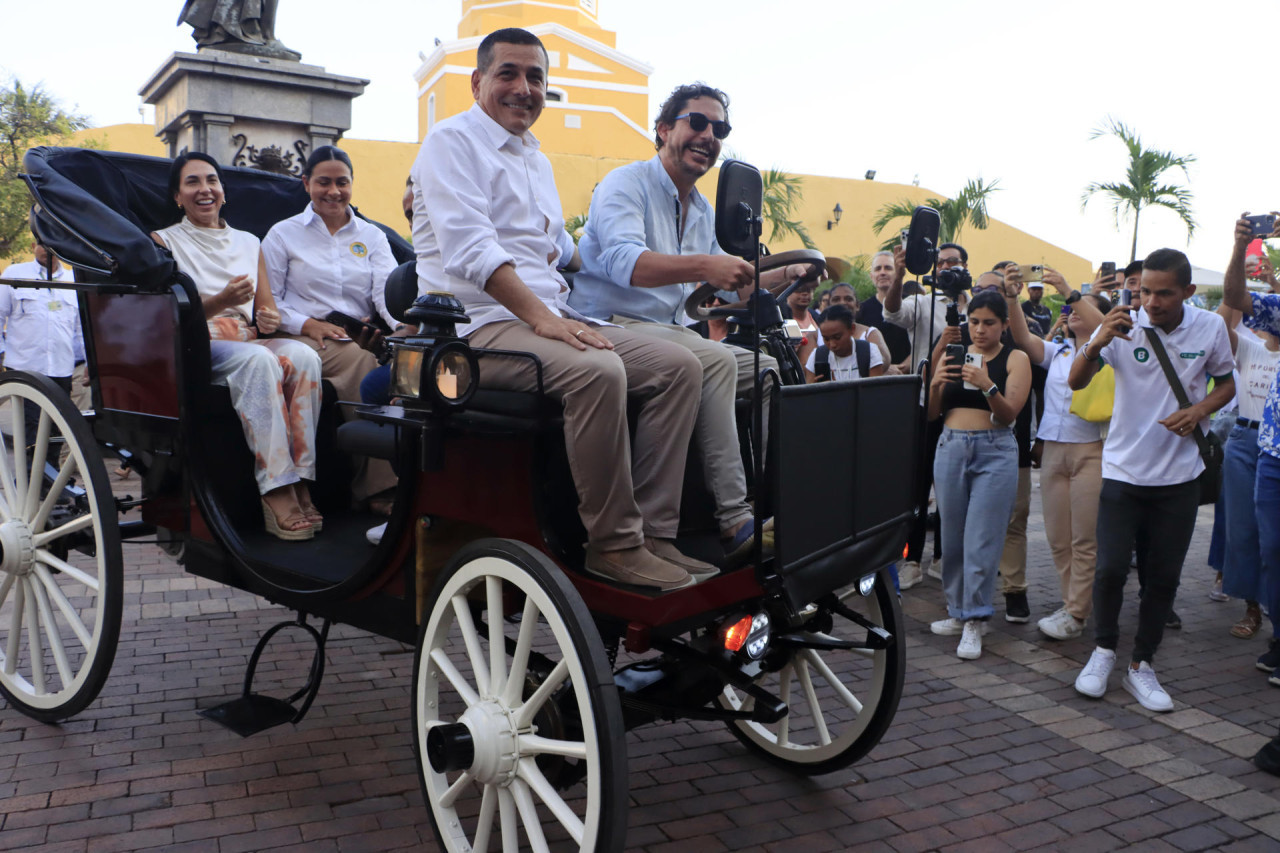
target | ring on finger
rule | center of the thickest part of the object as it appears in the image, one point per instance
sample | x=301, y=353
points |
x=579, y=332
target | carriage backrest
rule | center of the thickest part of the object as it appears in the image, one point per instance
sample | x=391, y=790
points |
x=97, y=209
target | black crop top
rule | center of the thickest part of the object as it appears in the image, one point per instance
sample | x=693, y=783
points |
x=956, y=396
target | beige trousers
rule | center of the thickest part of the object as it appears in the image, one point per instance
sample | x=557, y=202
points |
x=726, y=372
x=625, y=492
x=1013, y=562
x=344, y=364
x=1070, y=485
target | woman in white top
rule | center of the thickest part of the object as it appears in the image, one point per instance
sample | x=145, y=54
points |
x=1070, y=450
x=328, y=259
x=1257, y=356
x=274, y=383
x=798, y=302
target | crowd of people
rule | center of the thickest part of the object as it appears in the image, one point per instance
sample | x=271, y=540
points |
x=1120, y=489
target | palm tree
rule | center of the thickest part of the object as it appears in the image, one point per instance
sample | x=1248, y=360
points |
x=968, y=207
x=782, y=197
x=1142, y=187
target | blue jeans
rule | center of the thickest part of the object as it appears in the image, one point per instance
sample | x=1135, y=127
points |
x=1266, y=500
x=1241, y=572
x=975, y=476
x=375, y=388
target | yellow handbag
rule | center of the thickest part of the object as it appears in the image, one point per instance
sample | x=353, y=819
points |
x=1095, y=401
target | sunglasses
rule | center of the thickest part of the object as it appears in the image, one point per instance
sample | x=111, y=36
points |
x=698, y=123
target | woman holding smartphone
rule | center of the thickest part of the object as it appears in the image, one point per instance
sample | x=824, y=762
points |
x=977, y=391
x=1070, y=452
x=328, y=259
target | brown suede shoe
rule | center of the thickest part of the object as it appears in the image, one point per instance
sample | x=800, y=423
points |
x=637, y=567
x=665, y=549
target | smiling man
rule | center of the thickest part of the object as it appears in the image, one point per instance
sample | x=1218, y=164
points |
x=648, y=242
x=489, y=229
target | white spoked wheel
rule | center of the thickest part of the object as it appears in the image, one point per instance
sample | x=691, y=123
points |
x=60, y=572
x=840, y=702
x=518, y=729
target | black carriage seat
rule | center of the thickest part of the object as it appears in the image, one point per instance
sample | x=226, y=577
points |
x=490, y=411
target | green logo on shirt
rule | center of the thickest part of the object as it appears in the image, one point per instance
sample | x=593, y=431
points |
x=1191, y=354
x=1141, y=354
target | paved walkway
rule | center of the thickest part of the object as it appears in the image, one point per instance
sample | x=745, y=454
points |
x=991, y=755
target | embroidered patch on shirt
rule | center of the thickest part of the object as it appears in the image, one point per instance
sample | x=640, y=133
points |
x=359, y=249
x=1141, y=354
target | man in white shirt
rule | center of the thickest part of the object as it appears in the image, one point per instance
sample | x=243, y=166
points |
x=41, y=325
x=1151, y=460
x=488, y=228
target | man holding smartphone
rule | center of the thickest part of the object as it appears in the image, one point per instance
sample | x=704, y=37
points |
x=1151, y=459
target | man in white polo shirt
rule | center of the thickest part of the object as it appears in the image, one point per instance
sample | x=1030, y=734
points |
x=1150, y=461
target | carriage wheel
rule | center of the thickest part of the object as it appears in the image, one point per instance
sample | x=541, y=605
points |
x=839, y=702
x=60, y=572
x=514, y=707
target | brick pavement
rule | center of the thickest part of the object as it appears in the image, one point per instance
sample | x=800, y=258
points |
x=992, y=755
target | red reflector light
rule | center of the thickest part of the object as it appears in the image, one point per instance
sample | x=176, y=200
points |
x=904, y=551
x=736, y=634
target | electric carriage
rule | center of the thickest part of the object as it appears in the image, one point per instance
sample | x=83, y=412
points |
x=528, y=671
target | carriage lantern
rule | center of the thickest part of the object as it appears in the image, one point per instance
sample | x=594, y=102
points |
x=435, y=368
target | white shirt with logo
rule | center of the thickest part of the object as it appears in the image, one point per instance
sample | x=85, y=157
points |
x=1138, y=449
x=41, y=324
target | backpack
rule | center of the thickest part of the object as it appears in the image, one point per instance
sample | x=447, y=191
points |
x=822, y=360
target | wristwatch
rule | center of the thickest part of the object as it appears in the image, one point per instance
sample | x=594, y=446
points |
x=992, y=391
x=1073, y=297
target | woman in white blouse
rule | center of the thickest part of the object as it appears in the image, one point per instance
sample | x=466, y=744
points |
x=1070, y=451
x=328, y=259
x=274, y=383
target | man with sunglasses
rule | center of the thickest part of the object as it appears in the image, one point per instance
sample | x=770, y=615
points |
x=649, y=240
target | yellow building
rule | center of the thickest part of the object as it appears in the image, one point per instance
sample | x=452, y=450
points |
x=598, y=116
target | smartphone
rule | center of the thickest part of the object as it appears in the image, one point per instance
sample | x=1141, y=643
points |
x=1263, y=224
x=350, y=325
x=1124, y=296
x=904, y=233
x=975, y=359
x=1032, y=272
x=1108, y=270
x=955, y=354
x=1066, y=310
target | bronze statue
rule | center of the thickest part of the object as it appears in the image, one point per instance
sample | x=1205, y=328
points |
x=236, y=26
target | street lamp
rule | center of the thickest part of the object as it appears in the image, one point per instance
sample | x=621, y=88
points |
x=837, y=211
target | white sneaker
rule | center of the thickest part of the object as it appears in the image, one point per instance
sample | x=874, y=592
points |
x=1092, y=680
x=909, y=574
x=1061, y=626
x=970, y=647
x=374, y=535
x=955, y=627
x=1145, y=687
x=935, y=569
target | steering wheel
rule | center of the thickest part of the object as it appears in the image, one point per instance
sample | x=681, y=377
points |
x=696, y=310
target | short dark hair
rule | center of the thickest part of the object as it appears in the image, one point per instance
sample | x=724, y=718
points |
x=1000, y=266
x=507, y=35
x=964, y=256
x=1169, y=260
x=175, y=170
x=993, y=301
x=1134, y=268
x=678, y=99
x=852, y=289
x=323, y=154
x=838, y=314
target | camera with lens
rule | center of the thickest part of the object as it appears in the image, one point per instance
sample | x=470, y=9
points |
x=952, y=281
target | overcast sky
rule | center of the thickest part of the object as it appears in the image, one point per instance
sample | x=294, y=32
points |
x=947, y=91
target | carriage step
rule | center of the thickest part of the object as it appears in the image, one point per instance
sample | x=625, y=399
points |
x=253, y=712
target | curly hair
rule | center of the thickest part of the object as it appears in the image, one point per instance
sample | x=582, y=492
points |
x=679, y=99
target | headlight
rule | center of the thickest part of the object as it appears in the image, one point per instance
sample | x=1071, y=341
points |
x=450, y=371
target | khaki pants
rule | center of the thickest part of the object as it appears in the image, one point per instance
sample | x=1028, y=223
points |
x=344, y=364
x=1070, y=485
x=624, y=493
x=1013, y=562
x=726, y=372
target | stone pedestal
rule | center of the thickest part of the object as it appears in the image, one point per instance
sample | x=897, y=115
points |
x=249, y=110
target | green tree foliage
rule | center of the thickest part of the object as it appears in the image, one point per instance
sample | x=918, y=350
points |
x=28, y=117
x=782, y=197
x=574, y=225
x=967, y=207
x=1142, y=187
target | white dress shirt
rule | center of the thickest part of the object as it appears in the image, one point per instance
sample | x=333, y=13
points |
x=41, y=324
x=1057, y=423
x=482, y=198
x=313, y=272
x=1139, y=450
x=924, y=322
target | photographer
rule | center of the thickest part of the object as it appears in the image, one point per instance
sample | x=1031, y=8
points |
x=1151, y=460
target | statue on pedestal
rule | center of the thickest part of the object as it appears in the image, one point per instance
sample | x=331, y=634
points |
x=236, y=26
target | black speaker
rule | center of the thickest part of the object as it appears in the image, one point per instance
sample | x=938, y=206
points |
x=922, y=240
